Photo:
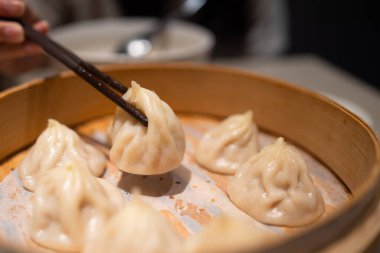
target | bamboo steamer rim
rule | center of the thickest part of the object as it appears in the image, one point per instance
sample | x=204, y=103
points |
x=366, y=196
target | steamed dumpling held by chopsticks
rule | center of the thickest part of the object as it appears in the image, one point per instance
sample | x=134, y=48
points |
x=156, y=149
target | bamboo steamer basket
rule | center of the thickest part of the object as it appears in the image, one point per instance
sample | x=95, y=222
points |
x=328, y=131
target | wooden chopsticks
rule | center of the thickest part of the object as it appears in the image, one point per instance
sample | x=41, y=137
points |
x=99, y=80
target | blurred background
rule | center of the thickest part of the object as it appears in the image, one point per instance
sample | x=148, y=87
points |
x=330, y=46
x=345, y=33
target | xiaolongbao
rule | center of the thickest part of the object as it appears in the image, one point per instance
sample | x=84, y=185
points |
x=137, y=228
x=227, y=234
x=155, y=149
x=58, y=145
x=226, y=147
x=275, y=187
x=70, y=206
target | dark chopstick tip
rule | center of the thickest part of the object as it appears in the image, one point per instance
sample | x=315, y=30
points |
x=99, y=80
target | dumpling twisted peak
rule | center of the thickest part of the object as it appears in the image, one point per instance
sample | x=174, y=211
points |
x=275, y=187
x=226, y=147
x=155, y=149
x=56, y=146
x=70, y=206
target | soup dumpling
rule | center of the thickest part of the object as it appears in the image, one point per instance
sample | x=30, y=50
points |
x=226, y=147
x=70, y=206
x=56, y=146
x=227, y=234
x=275, y=187
x=156, y=149
x=137, y=228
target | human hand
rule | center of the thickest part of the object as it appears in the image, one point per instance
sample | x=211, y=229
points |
x=12, y=38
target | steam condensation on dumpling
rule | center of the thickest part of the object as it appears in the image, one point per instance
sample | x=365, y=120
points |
x=275, y=187
x=228, y=234
x=226, y=147
x=137, y=228
x=56, y=146
x=70, y=206
x=156, y=149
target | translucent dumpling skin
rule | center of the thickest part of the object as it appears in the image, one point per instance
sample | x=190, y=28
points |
x=275, y=187
x=70, y=206
x=58, y=145
x=138, y=228
x=226, y=147
x=227, y=234
x=156, y=149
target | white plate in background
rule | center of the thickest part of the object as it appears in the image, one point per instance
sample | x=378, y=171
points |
x=97, y=40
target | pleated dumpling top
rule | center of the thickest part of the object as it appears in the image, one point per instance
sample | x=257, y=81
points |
x=156, y=149
x=58, y=145
x=275, y=187
x=226, y=147
x=70, y=206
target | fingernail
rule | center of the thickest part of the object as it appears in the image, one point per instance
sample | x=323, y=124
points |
x=41, y=26
x=13, y=33
x=14, y=7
